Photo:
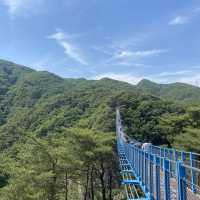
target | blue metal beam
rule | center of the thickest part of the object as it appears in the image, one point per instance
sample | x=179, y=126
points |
x=142, y=171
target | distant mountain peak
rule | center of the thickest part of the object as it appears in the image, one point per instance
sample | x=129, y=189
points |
x=173, y=91
x=146, y=81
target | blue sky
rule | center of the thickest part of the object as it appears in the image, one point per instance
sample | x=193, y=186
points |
x=126, y=40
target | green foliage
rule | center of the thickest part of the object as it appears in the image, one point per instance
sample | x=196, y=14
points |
x=56, y=135
x=175, y=91
x=189, y=140
x=41, y=159
x=42, y=168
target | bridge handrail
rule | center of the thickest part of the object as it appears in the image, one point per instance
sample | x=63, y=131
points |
x=186, y=174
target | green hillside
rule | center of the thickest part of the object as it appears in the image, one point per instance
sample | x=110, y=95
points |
x=174, y=91
x=44, y=103
x=54, y=131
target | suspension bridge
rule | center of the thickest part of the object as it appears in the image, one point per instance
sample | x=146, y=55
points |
x=157, y=173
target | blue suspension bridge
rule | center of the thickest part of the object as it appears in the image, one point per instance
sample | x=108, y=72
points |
x=159, y=173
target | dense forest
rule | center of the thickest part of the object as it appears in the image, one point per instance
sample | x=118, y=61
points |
x=173, y=91
x=57, y=136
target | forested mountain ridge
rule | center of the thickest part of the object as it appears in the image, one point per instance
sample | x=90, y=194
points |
x=43, y=102
x=54, y=131
x=174, y=91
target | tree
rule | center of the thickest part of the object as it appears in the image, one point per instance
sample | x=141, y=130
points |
x=189, y=140
x=37, y=171
x=51, y=168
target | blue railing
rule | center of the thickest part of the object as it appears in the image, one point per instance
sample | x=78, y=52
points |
x=159, y=173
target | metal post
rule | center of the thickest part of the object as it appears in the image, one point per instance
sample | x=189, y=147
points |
x=176, y=159
x=134, y=165
x=151, y=149
x=146, y=171
x=128, y=155
x=165, y=152
x=143, y=168
x=161, y=155
x=170, y=158
x=136, y=161
x=160, y=152
x=138, y=152
x=166, y=180
x=157, y=161
x=171, y=154
x=132, y=154
x=151, y=183
x=139, y=164
x=175, y=155
x=182, y=190
x=183, y=156
x=193, y=188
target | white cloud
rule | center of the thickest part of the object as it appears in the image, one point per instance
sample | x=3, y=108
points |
x=130, y=58
x=189, y=77
x=120, y=77
x=70, y=50
x=179, y=20
x=127, y=52
x=129, y=42
x=22, y=7
x=183, y=76
x=175, y=73
x=126, y=63
x=193, y=79
x=138, y=54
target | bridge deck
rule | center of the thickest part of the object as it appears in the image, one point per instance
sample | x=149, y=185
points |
x=160, y=174
x=129, y=180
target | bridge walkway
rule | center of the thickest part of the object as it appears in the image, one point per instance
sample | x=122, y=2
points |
x=160, y=173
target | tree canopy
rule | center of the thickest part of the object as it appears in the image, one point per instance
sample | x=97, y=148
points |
x=57, y=138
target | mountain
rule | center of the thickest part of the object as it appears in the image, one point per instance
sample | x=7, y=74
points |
x=47, y=121
x=55, y=131
x=174, y=91
x=44, y=103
